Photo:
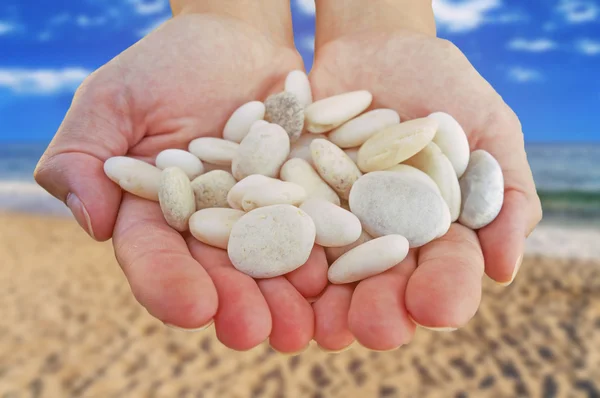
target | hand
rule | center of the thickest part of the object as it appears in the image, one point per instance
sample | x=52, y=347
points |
x=181, y=82
x=438, y=286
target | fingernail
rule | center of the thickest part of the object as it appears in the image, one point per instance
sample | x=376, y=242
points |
x=515, y=271
x=336, y=351
x=290, y=354
x=201, y=328
x=80, y=213
x=373, y=349
x=433, y=329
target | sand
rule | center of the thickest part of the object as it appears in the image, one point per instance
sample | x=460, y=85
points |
x=70, y=328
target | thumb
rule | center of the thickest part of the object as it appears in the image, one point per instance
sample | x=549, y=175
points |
x=71, y=169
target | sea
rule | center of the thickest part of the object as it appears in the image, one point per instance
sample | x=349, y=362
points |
x=567, y=178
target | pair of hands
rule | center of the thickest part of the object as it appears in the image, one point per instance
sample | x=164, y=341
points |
x=182, y=82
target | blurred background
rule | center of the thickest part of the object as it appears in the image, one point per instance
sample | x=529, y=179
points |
x=69, y=326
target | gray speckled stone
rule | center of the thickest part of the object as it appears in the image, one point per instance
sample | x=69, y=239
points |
x=286, y=110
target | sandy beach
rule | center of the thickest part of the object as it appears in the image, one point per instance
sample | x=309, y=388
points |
x=71, y=328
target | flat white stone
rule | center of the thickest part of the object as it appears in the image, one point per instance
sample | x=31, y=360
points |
x=242, y=119
x=236, y=194
x=300, y=172
x=369, y=259
x=263, y=151
x=412, y=172
x=258, y=124
x=482, y=187
x=395, y=144
x=285, y=110
x=134, y=176
x=357, y=131
x=176, y=198
x=275, y=193
x=334, y=166
x=333, y=253
x=390, y=203
x=211, y=189
x=271, y=241
x=336, y=227
x=436, y=165
x=452, y=140
x=213, y=226
x=301, y=148
x=214, y=150
x=352, y=154
x=326, y=114
x=190, y=164
x=298, y=84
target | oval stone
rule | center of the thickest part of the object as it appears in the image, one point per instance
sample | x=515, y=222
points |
x=389, y=203
x=333, y=253
x=190, y=164
x=300, y=172
x=176, y=198
x=236, y=194
x=336, y=227
x=301, y=148
x=134, y=176
x=369, y=259
x=263, y=151
x=452, y=140
x=275, y=193
x=412, y=172
x=271, y=241
x=213, y=226
x=298, y=84
x=395, y=144
x=242, y=119
x=211, y=189
x=285, y=110
x=482, y=187
x=357, y=131
x=334, y=166
x=214, y=150
x=326, y=114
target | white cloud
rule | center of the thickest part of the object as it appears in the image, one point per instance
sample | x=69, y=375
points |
x=524, y=75
x=86, y=22
x=579, y=11
x=588, y=47
x=463, y=16
x=307, y=6
x=42, y=81
x=534, y=46
x=6, y=28
x=145, y=7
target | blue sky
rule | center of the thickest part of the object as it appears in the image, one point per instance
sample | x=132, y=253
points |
x=542, y=56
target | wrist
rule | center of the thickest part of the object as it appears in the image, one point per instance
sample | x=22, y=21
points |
x=341, y=18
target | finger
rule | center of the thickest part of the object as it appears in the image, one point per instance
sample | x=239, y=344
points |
x=311, y=278
x=243, y=320
x=444, y=292
x=162, y=274
x=293, y=318
x=331, y=318
x=378, y=317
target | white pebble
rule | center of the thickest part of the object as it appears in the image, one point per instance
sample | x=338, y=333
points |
x=263, y=151
x=333, y=253
x=211, y=189
x=352, y=154
x=176, y=198
x=258, y=124
x=412, y=172
x=395, y=144
x=301, y=148
x=452, y=140
x=134, y=176
x=334, y=166
x=271, y=241
x=300, y=172
x=326, y=114
x=214, y=150
x=482, y=187
x=285, y=110
x=213, y=226
x=274, y=193
x=355, y=132
x=369, y=259
x=336, y=227
x=242, y=119
x=298, y=84
x=190, y=164
x=236, y=194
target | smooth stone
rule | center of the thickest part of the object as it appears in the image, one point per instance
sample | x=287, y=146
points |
x=298, y=84
x=214, y=150
x=213, y=226
x=299, y=171
x=258, y=124
x=395, y=144
x=176, y=198
x=263, y=151
x=211, y=189
x=190, y=164
x=334, y=166
x=482, y=187
x=390, y=203
x=412, y=172
x=285, y=110
x=326, y=114
x=271, y=241
x=134, y=176
x=335, y=226
x=241, y=120
x=275, y=193
x=352, y=154
x=452, y=140
x=237, y=192
x=369, y=259
x=436, y=165
x=301, y=148
x=357, y=131
x=333, y=253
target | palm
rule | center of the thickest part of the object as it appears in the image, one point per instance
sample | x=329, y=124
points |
x=417, y=75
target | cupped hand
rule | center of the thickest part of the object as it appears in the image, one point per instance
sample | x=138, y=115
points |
x=439, y=285
x=179, y=83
